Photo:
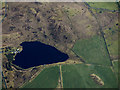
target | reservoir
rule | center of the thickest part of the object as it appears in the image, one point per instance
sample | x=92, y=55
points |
x=37, y=53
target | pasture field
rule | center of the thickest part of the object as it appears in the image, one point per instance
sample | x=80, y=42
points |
x=78, y=76
x=115, y=65
x=48, y=78
x=92, y=50
x=111, y=37
x=116, y=68
x=104, y=5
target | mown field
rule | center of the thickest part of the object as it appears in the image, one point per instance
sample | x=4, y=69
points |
x=78, y=76
x=104, y=5
x=92, y=50
x=48, y=78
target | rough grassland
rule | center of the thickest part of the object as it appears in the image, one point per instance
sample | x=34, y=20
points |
x=104, y=5
x=71, y=11
x=78, y=76
x=92, y=50
x=48, y=78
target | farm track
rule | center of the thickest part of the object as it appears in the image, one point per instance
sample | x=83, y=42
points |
x=61, y=78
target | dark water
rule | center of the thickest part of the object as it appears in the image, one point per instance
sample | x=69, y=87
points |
x=37, y=53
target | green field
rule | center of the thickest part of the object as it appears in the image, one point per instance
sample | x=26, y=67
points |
x=115, y=64
x=78, y=76
x=92, y=50
x=104, y=5
x=116, y=67
x=48, y=78
x=111, y=37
